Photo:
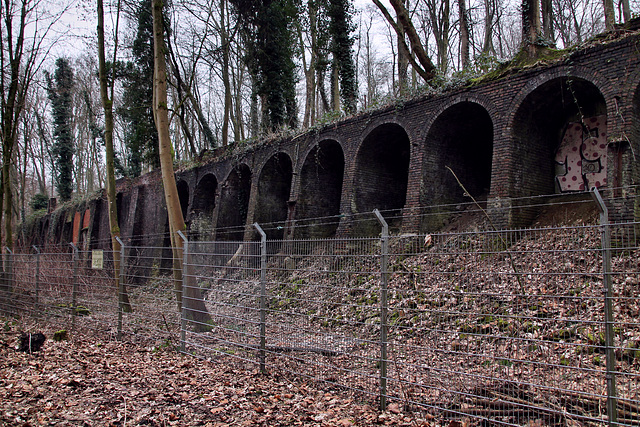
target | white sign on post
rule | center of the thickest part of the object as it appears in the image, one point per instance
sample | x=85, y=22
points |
x=97, y=259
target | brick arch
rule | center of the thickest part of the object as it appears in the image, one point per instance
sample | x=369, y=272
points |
x=273, y=190
x=549, y=119
x=224, y=175
x=380, y=176
x=265, y=156
x=411, y=131
x=204, y=195
x=235, y=192
x=184, y=193
x=476, y=98
x=459, y=135
x=321, y=177
x=313, y=143
x=584, y=73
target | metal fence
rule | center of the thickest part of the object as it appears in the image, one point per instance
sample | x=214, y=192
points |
x=537, y=326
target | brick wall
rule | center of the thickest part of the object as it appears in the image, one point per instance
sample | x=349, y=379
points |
x=498, y=136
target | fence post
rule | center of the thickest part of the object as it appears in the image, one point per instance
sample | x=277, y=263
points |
x=37, y=278
x=612, y=395
x=9, y=277
x=74, y=291
x=183, y=308
x=263, y=297
x=120, y=288
x=384, y=281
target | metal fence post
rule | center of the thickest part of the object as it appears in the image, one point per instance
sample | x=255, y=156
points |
x=384, y=281
x=120, y=288
x=9, y=277
x=183, y=307
x=612, y=395
x=37, y=278
x=263, y=297
x=74, y=291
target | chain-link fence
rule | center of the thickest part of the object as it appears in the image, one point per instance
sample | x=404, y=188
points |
x=537, y=326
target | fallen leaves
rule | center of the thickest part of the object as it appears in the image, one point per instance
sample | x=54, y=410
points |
x=91, y=383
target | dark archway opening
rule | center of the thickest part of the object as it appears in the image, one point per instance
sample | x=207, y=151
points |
x=274, y=186
x=121, y=205
x=234, y=204
x=321, y=180
x=462, y=138
x=183, y=196
x=382, y=168
x=539, y=131
x=204, y=202
x=539, y=126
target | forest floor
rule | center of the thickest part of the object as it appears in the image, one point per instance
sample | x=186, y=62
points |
x=84, y=381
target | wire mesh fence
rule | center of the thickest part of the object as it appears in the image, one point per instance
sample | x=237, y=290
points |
x=537, y=326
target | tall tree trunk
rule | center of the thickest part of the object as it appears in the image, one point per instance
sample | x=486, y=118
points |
x=489, y=13
x=224, y=41
x=335, y=86
x=439, y=13
x=310, y=68
x=547, y=21
x=107, y=105
x=237, y=72
x=464, y=34
x=530, y=26
x=403, y=59
x=44, y=142
x=8, y=200
x=626, y=10
x=192, y=298
x=326, y=106
x=609, y=14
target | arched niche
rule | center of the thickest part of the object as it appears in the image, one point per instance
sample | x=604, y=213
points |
x=321, y=180
x=549, y=129
x=122, y=204
x=274, y=186
x=381, y=175
x=461, y=138
x=628, y=156
x=204, y=197
x=183, y=196
x=204, y=202
x=234, y=204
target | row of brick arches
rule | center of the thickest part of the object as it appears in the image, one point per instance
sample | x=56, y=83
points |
x=466, y=139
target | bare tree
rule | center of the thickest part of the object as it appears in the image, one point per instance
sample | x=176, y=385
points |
x=375, y=72
x=531, y=26
x=464, y=34
x=626, y=10
x=439, y=13
x=490, y=12
x=609, y=14
x=107, y=84
x=309, y=43
x=547, y=21
x=191, y=299
x=577, y=21
x=426, y=69
x=21, y=58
